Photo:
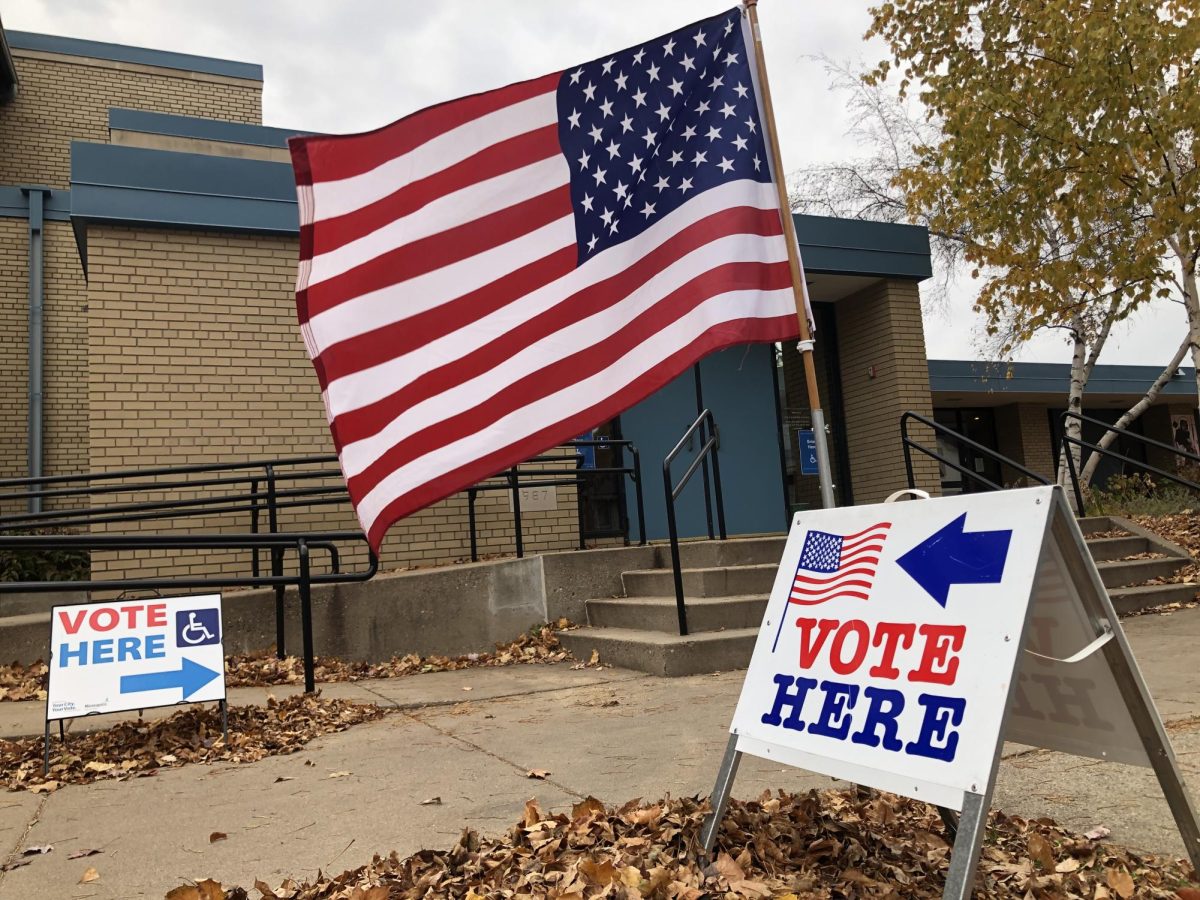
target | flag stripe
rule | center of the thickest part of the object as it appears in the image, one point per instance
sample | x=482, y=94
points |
x=440, y=250
x=499, y=389
x=860, y=570
x=396, y=303
x=472, y=460
x=399, y=302
x=452, y=210
x=492, y=339
x=352, y=169
x=728, y=310
x=807, y=601
x=507, y=156
x=374, y=348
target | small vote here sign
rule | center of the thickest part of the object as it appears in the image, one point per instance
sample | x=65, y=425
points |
x=135, y=654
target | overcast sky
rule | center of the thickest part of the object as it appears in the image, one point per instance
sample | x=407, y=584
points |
x=350, y=66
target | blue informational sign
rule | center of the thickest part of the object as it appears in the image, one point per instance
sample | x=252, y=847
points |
x=808, y=452
x=587, y=452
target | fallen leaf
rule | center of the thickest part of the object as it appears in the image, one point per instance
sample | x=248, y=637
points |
x=1068, y=865
x=1041, y=852
x=731, y=870
x=598, y=873
x=15, y=864
x=46, y=787
x=35, y=850
x=1120, y=881
x=210, y=890
x=586, y=807
x=339, y=774
x=1188, y=894
x=80, y=854
x=99, y=767
x=217, y=836
x=283, y=778
x=1097, y=833
x=537, y=773
x=190, y=892
x=467, y=688
x=90, y=875
x=432, y=801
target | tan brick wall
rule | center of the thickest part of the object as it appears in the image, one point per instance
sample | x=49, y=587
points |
x=881, y=345
x=1037, y=453
x=195, y=357
x=67, y=98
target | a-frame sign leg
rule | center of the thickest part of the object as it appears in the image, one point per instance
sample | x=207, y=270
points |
x=968, y=842
x=719, y=800
x=1128, y=677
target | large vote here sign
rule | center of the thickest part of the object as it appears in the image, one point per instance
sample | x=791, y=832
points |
x=135, y=654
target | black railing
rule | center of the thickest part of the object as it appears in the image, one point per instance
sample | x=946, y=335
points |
x=961, y=440
x=73, y=505
x=708, y=449
x=1069, y=442
x=545, y=475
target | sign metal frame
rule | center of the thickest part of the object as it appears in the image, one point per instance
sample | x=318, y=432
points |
x=1062, y=534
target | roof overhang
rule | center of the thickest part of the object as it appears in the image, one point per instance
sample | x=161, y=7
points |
x=955, y=382
x=8, y=70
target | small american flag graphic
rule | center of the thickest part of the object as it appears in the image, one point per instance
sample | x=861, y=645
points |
x=833, y=565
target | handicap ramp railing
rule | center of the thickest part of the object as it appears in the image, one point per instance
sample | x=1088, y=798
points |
x=270, y=511
x=959, y=442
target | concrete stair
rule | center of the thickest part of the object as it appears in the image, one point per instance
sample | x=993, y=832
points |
x=726, y=586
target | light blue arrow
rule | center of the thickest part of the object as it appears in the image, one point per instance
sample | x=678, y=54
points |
x=190, y=676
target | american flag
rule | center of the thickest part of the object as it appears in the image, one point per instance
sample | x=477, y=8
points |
x=489, y=277
x=833, y=565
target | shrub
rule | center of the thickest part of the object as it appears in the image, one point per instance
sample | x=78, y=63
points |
x=1140, y=495
x=44, y=565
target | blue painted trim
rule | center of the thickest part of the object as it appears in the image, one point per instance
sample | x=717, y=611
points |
x=855, y=247
x=960, y=376
x=202, y=129
x=139, y=186
x=15, y=205
x=52, y=43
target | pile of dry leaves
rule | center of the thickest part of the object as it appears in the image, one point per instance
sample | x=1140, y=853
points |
x=538, y=645
x=851, y=843
x=138, y=748
x=261, y=669
x=18, y=682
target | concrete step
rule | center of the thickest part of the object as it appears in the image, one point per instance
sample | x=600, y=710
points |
x=1126, y=572
x=733, y=552
x=658, y=653
x=1095, y=524
x=661, y=614
x=713, y=581
x=1128, y=600
x=1104, y=549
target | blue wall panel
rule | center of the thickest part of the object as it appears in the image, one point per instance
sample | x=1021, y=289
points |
x=738, y=385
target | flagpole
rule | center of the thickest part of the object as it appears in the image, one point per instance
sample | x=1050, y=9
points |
x=798, y=287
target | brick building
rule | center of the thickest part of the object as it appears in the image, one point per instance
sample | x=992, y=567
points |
x=167, y=220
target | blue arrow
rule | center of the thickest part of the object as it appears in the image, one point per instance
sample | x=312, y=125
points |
x=191, y=676
x=954, y=556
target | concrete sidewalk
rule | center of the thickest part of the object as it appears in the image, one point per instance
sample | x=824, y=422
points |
x=610, y=733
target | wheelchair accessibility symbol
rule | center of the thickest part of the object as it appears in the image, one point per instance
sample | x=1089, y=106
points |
x=197, y=627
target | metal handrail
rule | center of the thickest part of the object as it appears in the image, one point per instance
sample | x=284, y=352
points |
x=512, y=482
x=708, y=447
x=910, y=444
x=303, y=580
x=1068, y=441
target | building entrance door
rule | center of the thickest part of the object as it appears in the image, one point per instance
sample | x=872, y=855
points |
x=602, y=508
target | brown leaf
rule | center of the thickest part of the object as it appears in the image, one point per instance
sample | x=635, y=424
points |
x=538, y=773
x=339, y=774
x=1119, y=881
x=728, y=868
x=80, y=854
x=187, y=892
x=37, y=851
x=598, y=873
x=1188, y=893
x=46, y=787
x=1067, y=866
x=283, y=778
x=1041, y=852
x=90, y=875
x=210, y=890
x=587, y=807
x=432, y=801
x=217, y=836
x=15, y=864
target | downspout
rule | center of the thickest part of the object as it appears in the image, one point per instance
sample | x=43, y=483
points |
x=36, y=197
